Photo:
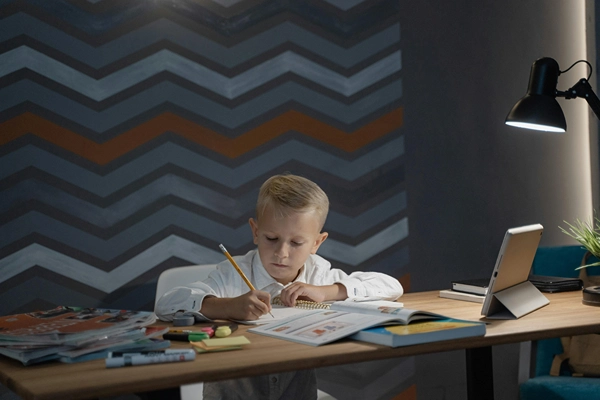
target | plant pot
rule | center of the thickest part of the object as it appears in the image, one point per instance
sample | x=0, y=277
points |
x=591, y=296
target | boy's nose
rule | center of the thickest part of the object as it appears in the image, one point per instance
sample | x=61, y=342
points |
x=281, y=251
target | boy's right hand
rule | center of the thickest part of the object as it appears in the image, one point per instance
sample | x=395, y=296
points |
x=247, y=307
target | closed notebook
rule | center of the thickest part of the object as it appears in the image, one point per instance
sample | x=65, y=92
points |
x=551, y=284
x=476, y=286
x=421, y=332
x=453, y=294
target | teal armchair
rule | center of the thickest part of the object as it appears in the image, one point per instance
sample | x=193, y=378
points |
x=557, y=261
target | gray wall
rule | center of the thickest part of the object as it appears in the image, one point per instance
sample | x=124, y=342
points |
x=469, y=176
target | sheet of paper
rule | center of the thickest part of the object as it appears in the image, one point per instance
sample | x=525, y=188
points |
x=279, y=313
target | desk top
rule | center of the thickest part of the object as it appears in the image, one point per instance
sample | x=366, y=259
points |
x=564, y=316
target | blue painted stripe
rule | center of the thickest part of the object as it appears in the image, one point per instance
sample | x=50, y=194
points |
x=232, y=208
x=164, y=29
x=168, y=92
x=165, y=60
x=171, y=153
x=173, y=246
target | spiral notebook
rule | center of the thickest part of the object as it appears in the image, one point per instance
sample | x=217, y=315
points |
x=280, y=311
x=303, y=304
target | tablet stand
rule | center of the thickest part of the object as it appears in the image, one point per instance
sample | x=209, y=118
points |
x=516, y=301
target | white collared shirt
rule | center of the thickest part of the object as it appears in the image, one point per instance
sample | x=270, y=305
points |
x=226, y=282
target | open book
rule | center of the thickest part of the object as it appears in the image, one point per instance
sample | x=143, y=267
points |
x=342, y=319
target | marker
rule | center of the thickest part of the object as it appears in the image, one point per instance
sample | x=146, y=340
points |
x=130, y=359
x=208, y=330
x=238, y=269
x=186, y=336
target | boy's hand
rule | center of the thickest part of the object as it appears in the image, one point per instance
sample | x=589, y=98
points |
x=247, y=307
x=304, y=291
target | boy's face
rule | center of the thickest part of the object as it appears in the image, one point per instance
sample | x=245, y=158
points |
x=284, y=243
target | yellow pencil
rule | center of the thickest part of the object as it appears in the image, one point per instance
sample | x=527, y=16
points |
x=238, y=269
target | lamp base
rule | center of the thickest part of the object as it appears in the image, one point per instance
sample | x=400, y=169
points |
x=591, y=296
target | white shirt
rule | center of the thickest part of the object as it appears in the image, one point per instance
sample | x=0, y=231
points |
x=226, y=282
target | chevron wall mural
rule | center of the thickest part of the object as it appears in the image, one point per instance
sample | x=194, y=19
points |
x=134, y=136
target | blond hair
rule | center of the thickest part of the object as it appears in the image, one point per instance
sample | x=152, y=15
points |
x=291, y=193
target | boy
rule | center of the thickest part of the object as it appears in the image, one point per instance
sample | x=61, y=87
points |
x=290, y=214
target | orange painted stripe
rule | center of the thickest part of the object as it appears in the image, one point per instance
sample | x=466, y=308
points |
x=103, y=153
x=405, y=282
x=408, y=394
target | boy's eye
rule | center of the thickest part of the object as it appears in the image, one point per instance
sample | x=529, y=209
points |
x=271, y=239
x=297, y=243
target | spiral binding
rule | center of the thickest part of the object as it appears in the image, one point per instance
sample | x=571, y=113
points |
x=304, y=304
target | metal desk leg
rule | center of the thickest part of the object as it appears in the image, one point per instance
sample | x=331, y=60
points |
x=480, y=373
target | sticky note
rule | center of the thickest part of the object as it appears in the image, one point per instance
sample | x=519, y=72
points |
x=227, y=341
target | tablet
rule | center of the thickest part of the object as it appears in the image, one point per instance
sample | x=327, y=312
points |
x=510, y=294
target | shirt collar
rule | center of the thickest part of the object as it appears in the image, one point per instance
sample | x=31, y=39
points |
x=263, y=279
x=261, y=276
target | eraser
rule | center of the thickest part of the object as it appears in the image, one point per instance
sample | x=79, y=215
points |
x=183, y=320
x=223, y=331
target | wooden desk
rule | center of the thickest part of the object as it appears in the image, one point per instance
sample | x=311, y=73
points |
x=565, y=315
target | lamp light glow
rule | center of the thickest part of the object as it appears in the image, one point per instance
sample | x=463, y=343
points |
x=535, y=127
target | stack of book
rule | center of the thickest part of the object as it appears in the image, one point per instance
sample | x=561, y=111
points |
x=71, y=334
x=473, y=290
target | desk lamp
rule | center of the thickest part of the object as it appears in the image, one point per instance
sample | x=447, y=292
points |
x=538, y=109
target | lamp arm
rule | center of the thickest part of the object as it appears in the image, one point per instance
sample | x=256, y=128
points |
x=584, y=90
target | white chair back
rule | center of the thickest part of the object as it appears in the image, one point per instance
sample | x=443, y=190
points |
x=179, y=276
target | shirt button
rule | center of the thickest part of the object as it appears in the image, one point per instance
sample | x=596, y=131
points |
x=274, y=379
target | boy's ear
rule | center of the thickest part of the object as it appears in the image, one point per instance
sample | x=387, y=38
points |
x=254, y=227
x=320, y=239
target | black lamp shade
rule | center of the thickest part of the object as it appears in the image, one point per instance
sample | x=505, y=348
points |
x=539, y=109
x=539, y=112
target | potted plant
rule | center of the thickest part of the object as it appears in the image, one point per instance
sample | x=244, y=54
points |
x=588, y=235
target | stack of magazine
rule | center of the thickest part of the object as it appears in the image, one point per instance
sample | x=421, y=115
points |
x=72, y=334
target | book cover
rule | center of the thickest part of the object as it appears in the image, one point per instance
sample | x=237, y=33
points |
x=421, y=332
x=453, y=294
x=476, y=286
x=317, y=327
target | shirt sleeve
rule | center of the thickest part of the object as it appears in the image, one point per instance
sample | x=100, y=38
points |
x=184, y=298
x=220, y=283
x=358, y=284
x=372, y=284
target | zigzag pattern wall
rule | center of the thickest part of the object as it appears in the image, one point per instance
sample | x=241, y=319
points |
x=134, y=136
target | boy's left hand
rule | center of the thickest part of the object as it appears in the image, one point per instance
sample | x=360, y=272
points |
x=304, y=291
